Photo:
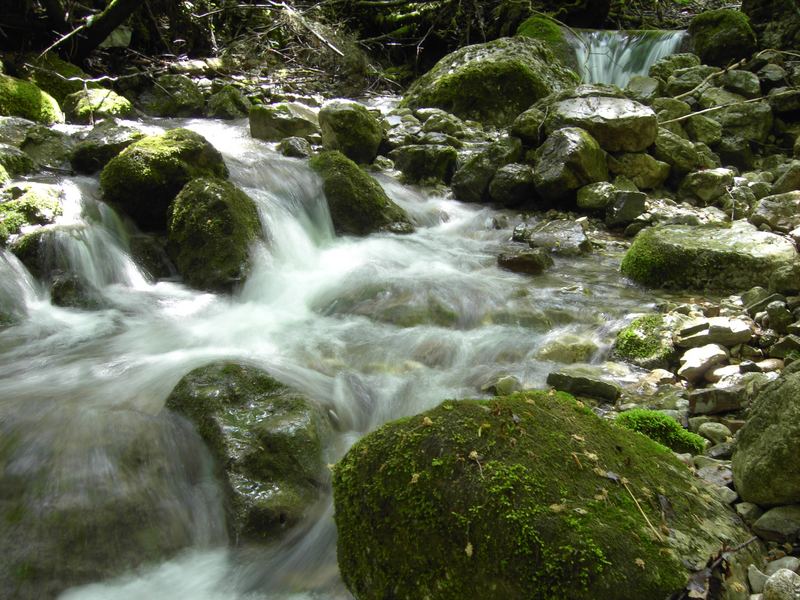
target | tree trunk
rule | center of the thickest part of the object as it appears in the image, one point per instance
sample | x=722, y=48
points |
x=101, y=27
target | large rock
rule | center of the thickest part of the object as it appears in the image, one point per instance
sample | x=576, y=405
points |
x=747, y=121
x=472, y=179
x=530, y=508
x=678, y=153
x=722, y=36
x=776, y=22
x=95, y=104
x=780, y=212
x=569, y=159
x=618, y=124
x=766, y=469
x=211, y=226
x=274, y=122
x=642, y=169
x=56, y=76
x=20, y=98
x=48, y=147
x=101, y=144
x=350, y=128
x=723, y=258
x=228, y=103
x=561, y=236
x=429, y=163
x=145, y=177
x=15, y=161
x=29, y=204
x=267, y=441
x=174, y=96
x=492, y=82
x=357, y=203
x=513, y=185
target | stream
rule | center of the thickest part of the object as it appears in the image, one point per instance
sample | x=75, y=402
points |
x=371, y=328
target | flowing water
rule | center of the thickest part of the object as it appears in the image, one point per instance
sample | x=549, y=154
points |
x=607, y=56
x=371, y=328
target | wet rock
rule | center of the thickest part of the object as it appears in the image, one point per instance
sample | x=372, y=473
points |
x=532, y=261
x=89, y=105
x=625, y=208
x=664, y=67
x=618, y=124
x=765, y=462
x=267, y=441
x=696, y=361
x=435, y=120
x=703, y=129
x=569, y=159
x=173, y=96
x=425, y=162
x=568, y=349
x=350, y=128
x=15, y=161
x=714, y=96
x=690, y=79
x=145, y=177
x=513, y=185
x=229, y=102
x=784, y=101
x=105, y=141
x=643, y=89
x=779, y=524
x=295, y=147
x=47, y=147
x=13, y=130
x=595, y=197
x=560, y=237
x=357, y=203
x=584, y=380
x=380, y=555
x=678, y=153
x=72, y=291
x=274, y=122
x=503, y=386
x=751, y=121
x=726, y=258
x=211, y=226
x=707, y=185
x=491, y=83
x=26, y=204
x=642, y=169
x=721, y=36
x=472, y=179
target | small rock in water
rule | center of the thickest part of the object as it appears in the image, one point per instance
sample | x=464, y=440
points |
x=561, y=236
x=531, y=261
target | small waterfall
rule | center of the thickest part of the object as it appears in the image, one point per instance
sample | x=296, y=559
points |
x=616, y=56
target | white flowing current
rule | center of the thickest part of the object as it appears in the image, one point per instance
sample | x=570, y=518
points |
x=371, y=328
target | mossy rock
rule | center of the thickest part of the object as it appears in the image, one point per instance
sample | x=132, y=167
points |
x=228, y=103
x=722, y=36
x=492, y=82
x=52, y=74
x=350, y=128
x=145, y=177
x=473, y=177
x=426, y=163
x=4, y=176
x=29, y=204
x=267, y=441
x=174, y=96
x=275, y=122
x=212, y=225
x=48, y=147
x=732, y=258
x=105, y=141
x=357, y=203
x=546, y=30
x=88, y=105
x=569, y=159
x=15, y=161
x=20, y=98
x=523, y=497
x=13, y=130
x=663, y=429
x=646, y=342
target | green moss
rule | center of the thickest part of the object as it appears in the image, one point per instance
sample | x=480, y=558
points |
x=85, y=106
x=721, y=36
x=174, y=96
x=20, y=98
x=52, y=74
x=661, y=428
x=545, y=29
x=513, y=498
x=645, y=342
x=211, y=227
x=4, y=176
x=29, y=205
x=357, y=203
x=350, y=128
x=145, y=177
x=228, y=103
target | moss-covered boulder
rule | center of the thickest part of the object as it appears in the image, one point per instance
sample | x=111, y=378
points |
x=29, y=204
x=473, y=177
x=15, y=161
x=229, y=102
x=765, y=464
x=274, y=122
x=546, y=30
x=20, y=98
x=722, y=36
x=661, y=428
x=267, y=441
x=732, y=258
x=427, y=163
x=521, y=497
x=56, y=76
x=95, y=104
x=14, y=129
x=211, y=226
x=144, y=178
x=174, y=96
x=357, y=203
x=492, y=82
x=350, y=128
x=569, y=159
x=642, y=169
x=646, y=342
x=48, y=147
x=105, y=141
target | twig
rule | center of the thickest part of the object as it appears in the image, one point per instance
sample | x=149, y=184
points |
x=709, y=78
x=728, y=105
x=293, y=13
x=658, y=535
x=62, y=39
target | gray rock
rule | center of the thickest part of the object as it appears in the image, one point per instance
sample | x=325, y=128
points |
x=789, y=181
x=787, y=345
x=680, y=154
x=101, y=144
x=664, y=67
x=274, y=122
x=746, y=121
x=560, y=237
x=715, y=96
x=742, y=82
x=584, y=380
x=709, y=401
x=13, y=130
x=783, y=585
x=295, y=147
x=787, y=562
x=229, y=102
x=706, y=186
x=643, y=89
x=595, y=197
x=749, y=512
x=625, y=208
x=513, y=185
x=529, y=127
x=716, y=330
x=703, y=129
x=438, y=121
x=779, y=524
x=425, y=163
x=618, y=124
x=643, y=170
x=717, y=433
x=48, y=147
x=756, y=579
x=784, y=100
x=174, y=96
x=472, y=179
x=569, y=159
x=532, y=261
x=695, y=362
x=686, y=80
x=779, y=316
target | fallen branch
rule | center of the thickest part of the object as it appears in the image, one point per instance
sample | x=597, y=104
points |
x=728, y=105
x=294, y=15
x=639, y=506
x=710, y=77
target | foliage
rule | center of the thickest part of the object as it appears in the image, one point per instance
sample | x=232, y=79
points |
x=661, y=428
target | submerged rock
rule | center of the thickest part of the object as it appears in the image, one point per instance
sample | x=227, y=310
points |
x=531, y=261
x=426, y=507
x=492, y=82
x=357, y=203
x=145, y=177
x=211, y=226
x=267, y=441
x=722, y=258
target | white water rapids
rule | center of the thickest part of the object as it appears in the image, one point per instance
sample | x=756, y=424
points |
x=345, y=320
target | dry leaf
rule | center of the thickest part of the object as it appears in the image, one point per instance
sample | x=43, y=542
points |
x=468, y=550
x=639, y=563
